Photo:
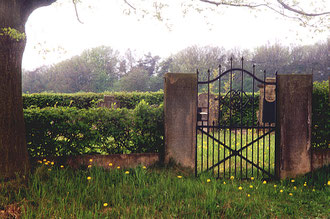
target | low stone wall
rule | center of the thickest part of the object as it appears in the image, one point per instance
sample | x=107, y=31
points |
x=320, y=157
x=122, y=160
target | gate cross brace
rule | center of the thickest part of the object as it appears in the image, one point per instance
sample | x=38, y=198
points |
x=236, y=152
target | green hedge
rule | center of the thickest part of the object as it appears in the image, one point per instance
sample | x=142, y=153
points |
x=88, y=100
x=71, y=131
x=321, y=115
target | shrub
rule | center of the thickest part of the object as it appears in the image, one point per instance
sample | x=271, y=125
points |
x=70, y=131
x=321, y=115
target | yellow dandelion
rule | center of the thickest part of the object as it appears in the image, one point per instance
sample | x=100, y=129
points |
x=144, y=167
x=208, y=180
x=44, y=160
x=110, y=164
x=179, y=177
x=252, y=178
x=328, y=183
x=251, y=186
x=292, y=180
x=281, y=191
x=295, y=187
x=275, y=186
x=232, y=177
x=264, y=182
x=105, y=204
x=240, y=188
x=313, y=190
x=46, y=163
x=224, y=182
x=305, y=184
x=89, y=178
x=127, y=172
x=49, y=169
x=118, y=167
x=62, y=166
x=39, y=161
x=248, y=195
x=89, y=166
x=52, y=163
x=290, y=194
x=90, y=160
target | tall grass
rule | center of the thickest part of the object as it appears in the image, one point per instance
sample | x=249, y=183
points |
x=55, y=192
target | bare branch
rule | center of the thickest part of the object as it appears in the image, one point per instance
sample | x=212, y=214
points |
x=75, y=8
x=287, y=7
x=131, y=6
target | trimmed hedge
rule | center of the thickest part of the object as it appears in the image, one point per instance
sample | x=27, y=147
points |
x=321, y=115
x=88, y=100
x=71, y=131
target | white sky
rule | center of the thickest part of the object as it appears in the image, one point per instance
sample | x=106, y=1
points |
x=55, y=28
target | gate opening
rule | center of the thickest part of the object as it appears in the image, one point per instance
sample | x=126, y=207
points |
x=236, y=123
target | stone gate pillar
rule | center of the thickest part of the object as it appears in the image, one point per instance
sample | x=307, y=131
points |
x=180, y=107
x=294, y=122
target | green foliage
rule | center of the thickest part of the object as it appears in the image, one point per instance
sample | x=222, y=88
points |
x=321, y=115
x=71, y=131
x=87, y=100
x=12, y=33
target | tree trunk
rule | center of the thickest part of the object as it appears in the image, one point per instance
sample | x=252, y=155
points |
x=13, y=150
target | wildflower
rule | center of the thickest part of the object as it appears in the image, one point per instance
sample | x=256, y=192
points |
x=90, y=160
x=252, y=178
x=240, y=188
x=248, y=195
x=224, y=182
x=328, y=183
x=127, y=172
x=62, y=166
x=46, y=163
x=313, y=190
x=290, y=194
x=49, y=169
x=292, y=180
x=52, y=163
x=110, y=164
x=281, y=191
x=118, y=167
x=251, y=186
x=264, y=182
x=295, y=187
x=105, y=204
x=208, y=180
x=39, y=161
x=275, y=186
x=89, y=166
x=232, y=177
x=144, y=167
x=305, y=184
x=89, y=178
x=44, y=160
x=179, y=177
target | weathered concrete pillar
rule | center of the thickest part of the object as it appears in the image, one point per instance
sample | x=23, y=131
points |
x=294, y=121
x=180, y=106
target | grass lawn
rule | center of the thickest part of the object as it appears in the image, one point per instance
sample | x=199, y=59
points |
x=52, y=191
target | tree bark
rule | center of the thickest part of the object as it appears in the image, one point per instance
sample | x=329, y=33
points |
x=13, y=150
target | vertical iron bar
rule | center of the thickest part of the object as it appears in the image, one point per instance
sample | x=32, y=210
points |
x=242, y=89
x=253, y=114
x=264, y=124
x=276, y=150
x=230, y=87
x=213, y=146
x=258, y=152
x=208, y=116
x=196, y=140
x=219, y=119
x=224, y=153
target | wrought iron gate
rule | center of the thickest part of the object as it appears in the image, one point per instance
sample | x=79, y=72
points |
x=235, y=137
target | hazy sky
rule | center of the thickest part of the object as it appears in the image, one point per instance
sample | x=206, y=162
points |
x=54, y=33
